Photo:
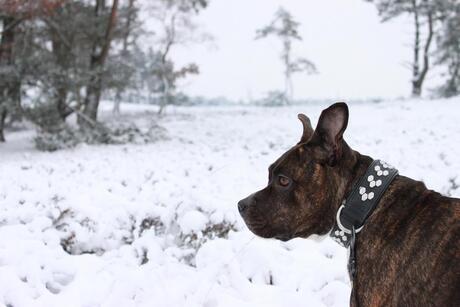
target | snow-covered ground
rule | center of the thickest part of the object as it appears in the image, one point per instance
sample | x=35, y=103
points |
x=133, y=225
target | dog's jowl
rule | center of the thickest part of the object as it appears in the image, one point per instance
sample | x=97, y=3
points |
x=404, y=243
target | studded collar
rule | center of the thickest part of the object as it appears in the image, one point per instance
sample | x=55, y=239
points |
x=361, y=201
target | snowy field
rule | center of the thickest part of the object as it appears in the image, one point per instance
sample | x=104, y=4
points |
x=134, y=225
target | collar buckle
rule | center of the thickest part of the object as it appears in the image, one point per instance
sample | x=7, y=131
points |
x=342, y=227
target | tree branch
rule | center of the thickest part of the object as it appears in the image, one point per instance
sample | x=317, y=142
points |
x=109, y=32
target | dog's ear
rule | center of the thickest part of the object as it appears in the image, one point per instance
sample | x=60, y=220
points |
x=328, y=134
x=307, y=128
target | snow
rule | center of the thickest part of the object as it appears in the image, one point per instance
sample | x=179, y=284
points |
x=193, y=221
x=134, y=218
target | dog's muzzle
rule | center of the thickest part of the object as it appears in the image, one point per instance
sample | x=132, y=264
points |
x=244, y=204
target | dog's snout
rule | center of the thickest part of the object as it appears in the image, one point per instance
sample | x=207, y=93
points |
x=245, y=203
x=242, y=205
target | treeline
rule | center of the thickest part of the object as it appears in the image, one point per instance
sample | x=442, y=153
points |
x=58, y=57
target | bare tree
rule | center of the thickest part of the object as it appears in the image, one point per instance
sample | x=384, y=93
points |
x=285, y=28
x=424, y=15
x=177, y=28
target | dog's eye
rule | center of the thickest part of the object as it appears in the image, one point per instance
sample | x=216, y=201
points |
x=283, y=181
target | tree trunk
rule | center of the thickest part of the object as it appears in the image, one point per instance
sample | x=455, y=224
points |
x=9, y=81
x=419, y=76
x=452, y=88
x=94, y=88
x=117, y=102
x=93, y=96
x=129, y=20
x=416, y=91
x=288, y=87
x=61, y=103
x=2, y=123
x=165, y=100
x=61, y=52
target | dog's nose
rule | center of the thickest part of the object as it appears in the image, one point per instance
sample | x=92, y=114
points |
x=242, y=205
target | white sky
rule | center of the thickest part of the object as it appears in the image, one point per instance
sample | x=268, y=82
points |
x=356, y=55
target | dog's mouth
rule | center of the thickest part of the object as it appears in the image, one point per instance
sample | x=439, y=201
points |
x=259, y=225
x=263, y=230
x=258, y=228
x=269, y=234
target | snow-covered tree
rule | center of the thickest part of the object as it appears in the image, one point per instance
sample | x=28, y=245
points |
x=12, y=14
x=55, y=56
x=284, y=27
x=59, y=57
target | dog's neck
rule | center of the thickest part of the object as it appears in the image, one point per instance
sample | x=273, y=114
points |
x=353, y=167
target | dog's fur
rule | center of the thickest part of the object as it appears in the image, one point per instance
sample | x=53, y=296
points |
x=408, y=252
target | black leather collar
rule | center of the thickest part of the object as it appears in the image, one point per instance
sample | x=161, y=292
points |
x=361, y=201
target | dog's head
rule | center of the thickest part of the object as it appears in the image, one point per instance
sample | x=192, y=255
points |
x=306, y=184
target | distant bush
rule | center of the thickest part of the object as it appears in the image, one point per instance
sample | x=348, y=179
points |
x=48, y=141
x=107, y=133
x=273, y=99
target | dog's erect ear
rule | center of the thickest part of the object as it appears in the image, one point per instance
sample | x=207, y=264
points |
x=329, y=131
x=307, y=128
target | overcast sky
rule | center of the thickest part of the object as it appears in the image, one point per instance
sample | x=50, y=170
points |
x=356, y=55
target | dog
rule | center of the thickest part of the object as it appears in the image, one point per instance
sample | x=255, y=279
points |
x=407, y=252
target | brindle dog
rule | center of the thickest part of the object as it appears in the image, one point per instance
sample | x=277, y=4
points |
x=408, y=252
